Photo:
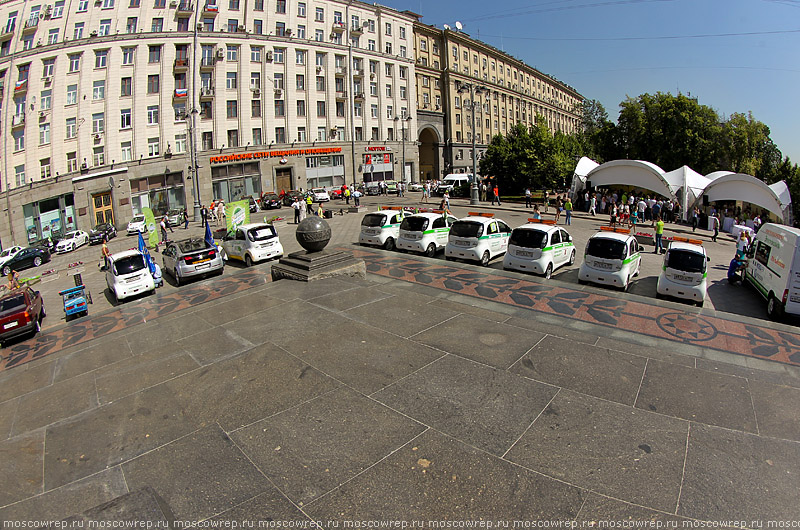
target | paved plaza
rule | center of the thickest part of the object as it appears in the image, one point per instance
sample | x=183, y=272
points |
x=431, y=391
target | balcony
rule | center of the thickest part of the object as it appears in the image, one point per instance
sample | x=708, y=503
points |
x=207, y=92
x=359, y=96
x=341, y=70
x=180, y=94
x=341, y=94
x=356, y=30
x=338, y=27
x=7, y=32
x=181, y=64
x=208, y=63
x=30, y=25
x=185, y=8
x=210, y=9
x=358, y=73
x=18, y=120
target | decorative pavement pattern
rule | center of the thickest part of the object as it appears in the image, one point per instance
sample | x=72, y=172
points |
x=636, y=317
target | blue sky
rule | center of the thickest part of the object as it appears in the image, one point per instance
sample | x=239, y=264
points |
x=605, y=49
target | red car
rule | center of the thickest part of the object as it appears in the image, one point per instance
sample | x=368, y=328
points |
x=21, y=311
x=335, y=193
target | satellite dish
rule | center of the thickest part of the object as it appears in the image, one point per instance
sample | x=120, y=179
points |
x=446, y=26
x=459, y=25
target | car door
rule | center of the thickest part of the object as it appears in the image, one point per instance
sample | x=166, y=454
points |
x=239, y=243
x=25, y=259
x=505, y=235
x=634, y=253
x=440, y=231
x=556, y=248
x=168, y=257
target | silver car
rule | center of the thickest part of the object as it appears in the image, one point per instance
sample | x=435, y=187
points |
x=191, y=258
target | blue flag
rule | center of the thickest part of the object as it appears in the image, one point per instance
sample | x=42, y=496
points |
x=146, y=253
x=209, y=237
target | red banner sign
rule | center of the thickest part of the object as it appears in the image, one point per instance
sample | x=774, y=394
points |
x=255, y=155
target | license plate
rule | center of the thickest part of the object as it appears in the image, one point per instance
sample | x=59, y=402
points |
x=462, y=243
x=601, y=265
x=11, y=325
x=204, y=266
x=525, y=253
x=682, y=278
x=202, y=260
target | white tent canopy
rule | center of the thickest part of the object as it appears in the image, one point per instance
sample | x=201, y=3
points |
x=746, y=188
x=585, y=165
x=639, y=173
x=687, y=183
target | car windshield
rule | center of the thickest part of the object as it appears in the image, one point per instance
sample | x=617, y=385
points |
x=12, y=302
x=138, y=219
x=414, y=224
x=527, y=238
x=192, y=245
x=70, y=235
x=129, y=264
x=318, y=190
x=98, y=228
x=374, y=219
x=466, y=229
x=262, y=233
x=271, y=197
x=605, y=248
x=6, y=253
x=686, y=260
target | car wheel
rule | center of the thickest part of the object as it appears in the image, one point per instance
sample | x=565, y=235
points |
x=549, y=271
x=177, y=277
x=774, y=308
x=572, y=258
x=389, y=245
x=37, y=261
x=248, y=261
x=6, y=270
x=431, y=250
x=485, y=259
x=582, y=282
x=627, y=283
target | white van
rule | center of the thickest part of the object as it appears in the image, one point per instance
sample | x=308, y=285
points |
x=382, y=228
x=425, y=232
x=612, y=257
x=453, y=180
x=477, y=237
x=684, y=272
x=539, y=247
x=773, y=267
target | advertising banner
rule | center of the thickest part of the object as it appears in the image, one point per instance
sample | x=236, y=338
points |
x=151, y=226
x=237, y=214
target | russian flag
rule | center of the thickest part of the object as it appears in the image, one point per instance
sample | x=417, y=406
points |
x=181, y=92
x=20, y=84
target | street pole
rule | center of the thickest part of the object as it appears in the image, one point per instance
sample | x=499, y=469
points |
x=192, y=124
x=474, y=197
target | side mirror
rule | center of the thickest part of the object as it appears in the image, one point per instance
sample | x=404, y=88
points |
x=708, y=258
x=639, y=248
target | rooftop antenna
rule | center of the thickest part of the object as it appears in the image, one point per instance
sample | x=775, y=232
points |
x=459, y=25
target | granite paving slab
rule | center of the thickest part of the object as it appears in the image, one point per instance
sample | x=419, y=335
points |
x=468, y=309
x=649, y=351
x=436, y=478
x=739, y=476
x=26, y=378
x=498, y=345
x=142, y=507
x=311, y=449
x=777, y=377
x=67, y=500
x=401, y=315
x=21, y=472
x=265, y=508
x=293, y=290
x=584, y=368
x=777, y=409
x=8, y=409
x=208, y=474
x=610, y=448
x=73, y=396
x=91, y=358
x=482, y=406
x=119, y=431
x=213, y=344
x=341, y=301
x=716, y=399
x=603, y=512
x=224, y=312
x=142, y=371
x=238, y=391
x=360, y=356
x=552, y=328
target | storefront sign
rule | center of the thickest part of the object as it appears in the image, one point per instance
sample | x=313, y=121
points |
x=255, y=155
x=377, y=148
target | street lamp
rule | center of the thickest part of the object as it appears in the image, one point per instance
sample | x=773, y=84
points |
x=403, y=139
x=190, y=120
x=472, y=90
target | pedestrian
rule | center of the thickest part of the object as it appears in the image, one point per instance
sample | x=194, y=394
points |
x=568, y=209
x=659, y=235
x=347, y=195
x=309, y=203
x=297, y=207
x=695, y=215
x=163, y=225
x=546, y=201
x=446, y=200
x=105, y=254
x=586, y=201
x=169, y=225
x=495, y=195
x=559, y=208
x=425, y=192
x=527, y=197
x=204, y=215
x=714, y=226
x=612, y=215
x=536, y=213
x=13, y=280
x=185, y=219
x=483, y=192
x=593, y=205
x=357, y=198
x=320, y=211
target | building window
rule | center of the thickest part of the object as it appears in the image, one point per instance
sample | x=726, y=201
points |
x=320, y=109
x=153, y=146
x=72, y=94
x=72, y=162
x=128, y=55
x=127, y=151
x=98, y=156
x=258, y=27
x=58, y=9
x=19, y=171
x=402, y=32
x=52, y=37
x=388, y=48
x=98, y=90
x=130, y=27
x=233, y=138
x=280, y=108
x=300, y=57
x=230, y=80
x=152, y=114
x=44, y=165
x=278, y=81
x=48, y=66
x=388, y=91
x=100, y=58
x=259, y=5
x=301, y=107
x=373, y=111
x=280, y=135
x=388, y=28
x=319, y=15
x=319, y=35
x=255, y=53
x=255, y=80
x=232, y=108
x=256, y=108
x=154, y=54
x=322, y=134
x=157, y=26
x=83, y=5
x=403, y=92
x=389, y=112
x=301, y=9
x=45, y=99
x=320, y=83
x=208, y=141
x=301, y=134
x=44, y=134
x=280, y=6
x=301, y=32
x=153, y=84
x=105, y=27
x=300, y=82
x=125, y=119
x=373, y=88
x=402, y=51
x=126, y=88
x=257, y=136
x=278, y=55
x=98, y=123
x=233, y=5
x=232, y=53
x=78, y=33
x=75, y=62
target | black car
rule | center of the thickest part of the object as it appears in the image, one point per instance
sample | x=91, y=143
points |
x=48, y=242
x=25, y=259
x=100, y=232
x=290, y=196
x=270, y=201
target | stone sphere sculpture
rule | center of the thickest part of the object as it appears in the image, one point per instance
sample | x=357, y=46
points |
x=313, y=233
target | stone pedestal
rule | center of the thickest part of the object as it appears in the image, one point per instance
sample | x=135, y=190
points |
x=309, y=266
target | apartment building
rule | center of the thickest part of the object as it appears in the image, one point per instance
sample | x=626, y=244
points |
x=110, y=106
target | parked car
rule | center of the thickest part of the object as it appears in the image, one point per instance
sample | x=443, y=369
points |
x=136, y=225
x=191, y=258
x=381, y=228
x=9, y=253
x=478, y=237
x=425, y=232
x=335, y=193
x=320, y=195
x=391, y=186
x=252, y=243
x=611, y=258
x=21, y=311
x=683, y=274
x=174, y=217
x=25, y=259
x=539, y=247
x=371, y=188
x=290, y=196
x=72, y=240
x=47, y=242
x=270, y=201
x=127, y=275
x=415, y=186
x=100, y=232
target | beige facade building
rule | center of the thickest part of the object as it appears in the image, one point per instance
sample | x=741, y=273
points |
x=506, y=91
x=103, y=102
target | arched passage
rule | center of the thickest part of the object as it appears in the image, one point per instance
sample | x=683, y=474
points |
x=428, y=154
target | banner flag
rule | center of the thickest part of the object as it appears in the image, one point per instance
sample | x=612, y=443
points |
x=237, y=214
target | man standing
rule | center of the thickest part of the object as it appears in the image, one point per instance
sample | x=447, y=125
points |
x=593, y=205
x=659, y=234
x=185, y=219
x=568, y=209
x=495, y=195
x=527, y=197
x=483, y=192
x=296, y=205
x=347, y=195
x=546, y=201
x=641, y=206
x=357, y=198
x=163, y=225
x=714, y=226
